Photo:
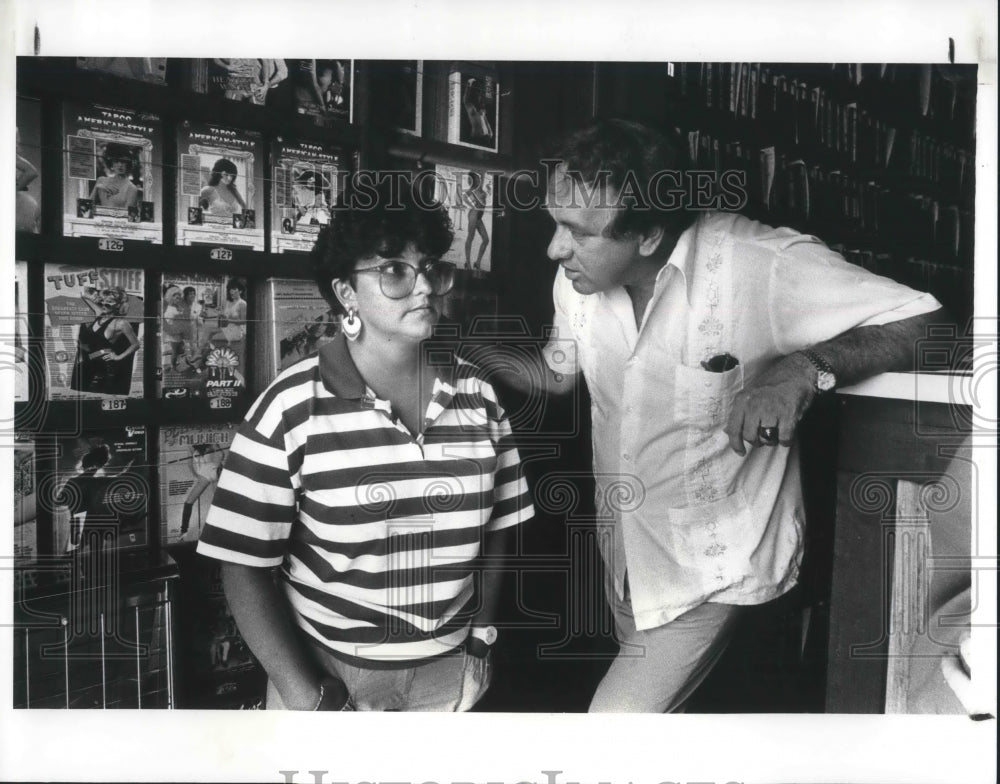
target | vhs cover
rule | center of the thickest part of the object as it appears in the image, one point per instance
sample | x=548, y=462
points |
x=305, y=184
x=297, y=322
x=220, y=195
x=28, y=187
x=191, y=459
x=22, y=385
x=322, y=89
x=203, y=330
x=144, y=69
x=112, y=175
x=93, y=335
x=100, y=491
x=244, y=79
x=25, y=497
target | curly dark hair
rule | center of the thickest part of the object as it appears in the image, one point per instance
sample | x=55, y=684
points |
x=220, y=167
x=628, y=151
x=115, y=151
x=377, y=220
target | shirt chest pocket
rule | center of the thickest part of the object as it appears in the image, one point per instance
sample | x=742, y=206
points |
x=703, y=399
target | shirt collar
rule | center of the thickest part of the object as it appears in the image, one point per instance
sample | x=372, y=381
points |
x=682, y=258
x=341, y=377
x=337, y=370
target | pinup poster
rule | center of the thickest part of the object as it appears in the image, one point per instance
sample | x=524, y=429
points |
x=245, y=79
x=22, y=387
x=191, y=459
x=300, y=321
x=203, y=330
x=28, y=186
x=468, y=195
x=473, y=109
x=100, y=493
x=94, y=333
x=322, y=89
x=220, y=198
x=112, y=177
x=144, y=69
x=306, y=181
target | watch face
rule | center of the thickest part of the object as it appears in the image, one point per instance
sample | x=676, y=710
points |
x=491, y=634
x=825, y=381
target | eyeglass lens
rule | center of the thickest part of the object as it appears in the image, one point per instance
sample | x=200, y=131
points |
x=397, y=279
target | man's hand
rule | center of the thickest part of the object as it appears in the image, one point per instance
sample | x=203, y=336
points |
x=776, y=398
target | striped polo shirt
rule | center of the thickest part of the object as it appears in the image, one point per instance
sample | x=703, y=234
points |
x=377, y=532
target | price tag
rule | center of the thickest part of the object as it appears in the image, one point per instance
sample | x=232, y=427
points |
x=221, y=254
x=220, y=402
x=114, y=405
x=108, y=244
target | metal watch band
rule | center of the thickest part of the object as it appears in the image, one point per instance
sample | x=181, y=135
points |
x=826, y=377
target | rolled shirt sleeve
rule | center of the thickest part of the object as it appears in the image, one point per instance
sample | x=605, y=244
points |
x=815, y=295
x=511, y=499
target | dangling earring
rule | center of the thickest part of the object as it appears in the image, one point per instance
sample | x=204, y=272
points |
x=351, y=325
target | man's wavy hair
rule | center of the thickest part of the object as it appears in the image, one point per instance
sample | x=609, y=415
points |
x=623, y=148
x=379, y=221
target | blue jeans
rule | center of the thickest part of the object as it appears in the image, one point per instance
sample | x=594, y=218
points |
x=450, y=683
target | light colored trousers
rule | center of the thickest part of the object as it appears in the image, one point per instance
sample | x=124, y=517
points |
x=657, y=670
x=450, y=683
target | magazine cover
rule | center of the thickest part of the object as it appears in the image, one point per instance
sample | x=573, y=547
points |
x=112, y=178
x=100, y=494
x=25, y=525
x=323, y=89
x=144, y=69
x=299, y=321
x=397, y=94
x=22, y=388
x=93, y=332
x=245, y=79
x=473, y=109
x=220, y=198
x=191, y=459
x=305, y=185
x=28, y=215
x=203, y=330
x=468, y=195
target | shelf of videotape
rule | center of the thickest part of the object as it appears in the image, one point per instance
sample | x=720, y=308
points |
x=165, y=209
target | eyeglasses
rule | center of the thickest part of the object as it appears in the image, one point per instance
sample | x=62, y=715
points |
x=397, y=278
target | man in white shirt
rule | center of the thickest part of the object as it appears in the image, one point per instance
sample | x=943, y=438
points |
x=703, y=337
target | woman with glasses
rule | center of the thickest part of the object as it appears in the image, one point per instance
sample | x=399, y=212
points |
x=380, y=477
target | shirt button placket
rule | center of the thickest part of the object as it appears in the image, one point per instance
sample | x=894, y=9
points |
x=628, y=427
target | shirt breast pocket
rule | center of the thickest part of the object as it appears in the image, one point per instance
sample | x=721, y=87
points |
x=703, y=399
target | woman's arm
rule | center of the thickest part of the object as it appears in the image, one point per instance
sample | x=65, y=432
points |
x=264, y=620
x=493, y=559
x=236, y=193
x=122, y=327
x=97, y=195
x=26, y=172
x=87, y=297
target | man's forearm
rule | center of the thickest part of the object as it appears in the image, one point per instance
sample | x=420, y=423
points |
x=523, y=371
x=867, y=351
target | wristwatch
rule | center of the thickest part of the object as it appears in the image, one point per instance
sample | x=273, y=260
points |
x=826, y=379
x=488, y=634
